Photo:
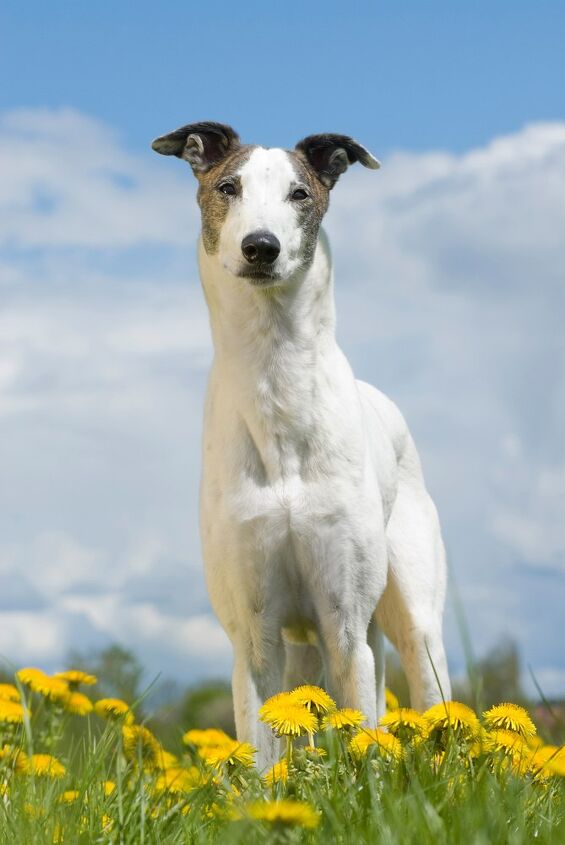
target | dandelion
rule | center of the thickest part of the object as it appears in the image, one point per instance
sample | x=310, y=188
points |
x=454, y=716
x=230, y=753
x=481, y=744
x=510, y=717
x=178, y=780
x=11, y=712
x=210, y=736
x=343, y=719
x=277, y=773
x=44, y=765
x=53, y=689
x=139, y=742
x=506, y=741
x=288, y=718
x=166, y=760
x=78, y=704
x=274, y=703
x=313, y=699
x=115, y=709
x=284, y=813
x=8, y=692
x=391, y=701
x=108, y=787
x=76, y=677
x=16, y=758
x=386, y=744
x=405, y=723
x=550, y=759
x=69, y=796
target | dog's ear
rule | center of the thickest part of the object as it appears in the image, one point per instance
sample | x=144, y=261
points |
x=330, y=156
x=201, y=144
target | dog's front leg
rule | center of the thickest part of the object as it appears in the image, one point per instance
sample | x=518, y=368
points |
x=257, y=675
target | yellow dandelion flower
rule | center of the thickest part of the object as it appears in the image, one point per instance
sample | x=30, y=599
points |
x=289, y=719
x=284, y=813
x=8, y=692
x=277, y=773
x=139, y=742
x=452, y=715
x=548, y=759
x=481, y=744
x=166, y=760
x=54, y=689
x=78, y=704
x=178, y=780
x=274, y=703
x=15, y=758
x=510, y=717
x=404, y=723
x=69, y=796
x=114, y=708
x=231, y=752
x=343, y=719
x=11, y=712
x=75, y=677
x=506, y=741
x=209, y=736
x=391, y=701
x=386, y=744
x=108, y=787
x=44, y=765
x=313, y=698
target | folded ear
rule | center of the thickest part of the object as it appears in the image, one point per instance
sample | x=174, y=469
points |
x=330, y=156
x=201, y=144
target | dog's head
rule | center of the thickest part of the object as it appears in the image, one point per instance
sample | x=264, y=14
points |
x=262, y=208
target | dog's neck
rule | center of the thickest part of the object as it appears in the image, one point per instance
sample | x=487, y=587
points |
x=275, y=352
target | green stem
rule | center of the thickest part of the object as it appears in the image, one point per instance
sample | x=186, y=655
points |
x=289, y=750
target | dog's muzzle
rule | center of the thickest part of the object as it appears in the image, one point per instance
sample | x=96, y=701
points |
x=261, y=247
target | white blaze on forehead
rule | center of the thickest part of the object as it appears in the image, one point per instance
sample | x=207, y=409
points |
x=266, y=180
x=267, y=175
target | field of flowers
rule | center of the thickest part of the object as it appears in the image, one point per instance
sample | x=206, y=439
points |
x=78, y=770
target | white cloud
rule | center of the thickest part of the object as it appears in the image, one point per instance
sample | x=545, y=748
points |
x=450, y=295
x=67, y=181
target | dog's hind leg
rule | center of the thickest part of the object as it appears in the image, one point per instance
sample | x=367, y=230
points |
x=411, y=608
x=303, y=665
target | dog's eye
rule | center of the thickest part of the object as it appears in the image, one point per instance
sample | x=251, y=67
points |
x=227, y=188
x=299, y=194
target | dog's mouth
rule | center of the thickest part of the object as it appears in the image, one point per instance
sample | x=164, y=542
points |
x=259, y=276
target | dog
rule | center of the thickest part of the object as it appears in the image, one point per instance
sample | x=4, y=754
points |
x=318, y=533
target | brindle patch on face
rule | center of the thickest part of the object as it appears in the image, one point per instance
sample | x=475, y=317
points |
x=214, y=205
x=310, y=211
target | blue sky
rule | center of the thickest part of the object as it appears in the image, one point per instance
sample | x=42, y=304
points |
x=414, y=75
x=449, y=284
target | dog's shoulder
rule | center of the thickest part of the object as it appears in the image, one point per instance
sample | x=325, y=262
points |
x=378, y=406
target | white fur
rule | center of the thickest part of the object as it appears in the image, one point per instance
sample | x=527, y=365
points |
x=318, y=533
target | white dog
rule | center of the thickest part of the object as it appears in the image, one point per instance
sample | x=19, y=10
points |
x=318, y=532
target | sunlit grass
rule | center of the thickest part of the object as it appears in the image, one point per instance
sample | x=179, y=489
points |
x=446, y=776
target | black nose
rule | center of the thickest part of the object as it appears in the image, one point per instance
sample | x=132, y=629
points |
x=260, y=247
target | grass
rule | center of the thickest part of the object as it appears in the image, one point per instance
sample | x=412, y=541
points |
x=447, y=777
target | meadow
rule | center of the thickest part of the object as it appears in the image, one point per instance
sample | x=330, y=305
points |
x=77, y=769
